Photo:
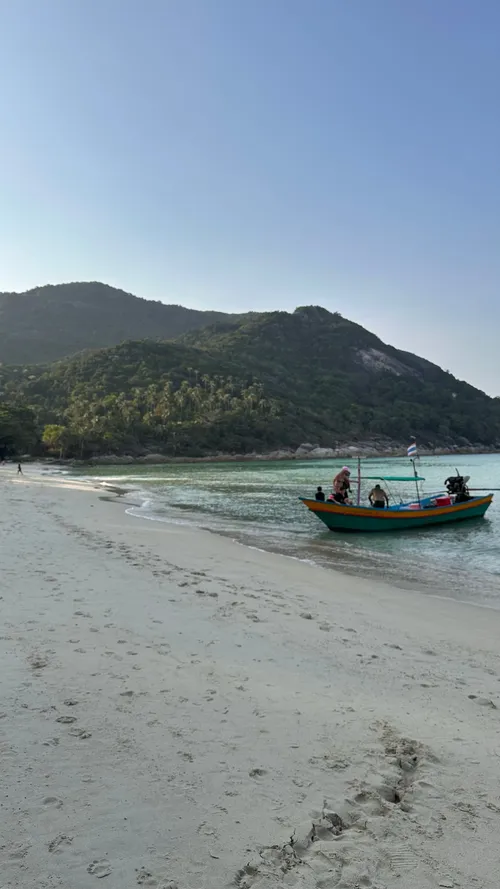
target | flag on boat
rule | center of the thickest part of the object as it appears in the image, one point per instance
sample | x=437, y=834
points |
x=412, y=450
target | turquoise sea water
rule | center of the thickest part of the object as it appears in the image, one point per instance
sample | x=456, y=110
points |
x=257, y=504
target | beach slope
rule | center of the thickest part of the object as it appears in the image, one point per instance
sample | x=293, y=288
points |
x=181, y=711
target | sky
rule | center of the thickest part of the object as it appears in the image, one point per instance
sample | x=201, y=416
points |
x=262, y=154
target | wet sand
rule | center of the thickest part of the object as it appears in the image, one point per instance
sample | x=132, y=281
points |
x=181, y=711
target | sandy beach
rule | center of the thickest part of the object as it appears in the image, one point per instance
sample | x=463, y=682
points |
x=181, y=711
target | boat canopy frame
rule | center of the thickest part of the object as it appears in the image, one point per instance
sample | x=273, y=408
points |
x=393, y=478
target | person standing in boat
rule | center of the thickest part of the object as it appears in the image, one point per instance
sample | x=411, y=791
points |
x=320, y=494
x=378, y=497
x=342, y=486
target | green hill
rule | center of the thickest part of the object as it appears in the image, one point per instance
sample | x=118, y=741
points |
x=262, y=382
x=55, y=321
x=348, y=384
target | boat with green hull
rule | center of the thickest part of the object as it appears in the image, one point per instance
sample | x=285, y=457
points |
x=342, y=517
x=456, y=504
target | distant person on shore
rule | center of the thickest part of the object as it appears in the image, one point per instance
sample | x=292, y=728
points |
x=378, y=498
x=320, y=494
x=342, y=485
x=19, y=469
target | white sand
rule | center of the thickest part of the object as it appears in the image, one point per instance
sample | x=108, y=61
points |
x=176, y=707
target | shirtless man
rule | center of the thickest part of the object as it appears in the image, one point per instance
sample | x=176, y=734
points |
x=378, y=498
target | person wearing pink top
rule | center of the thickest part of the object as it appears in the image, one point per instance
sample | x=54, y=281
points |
x=342, y=486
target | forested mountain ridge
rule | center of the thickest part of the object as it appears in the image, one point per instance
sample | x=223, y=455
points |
x=52, y=322
x=353, y=382
x=255, y=383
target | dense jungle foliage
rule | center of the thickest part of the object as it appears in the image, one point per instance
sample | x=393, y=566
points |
x=253, y=383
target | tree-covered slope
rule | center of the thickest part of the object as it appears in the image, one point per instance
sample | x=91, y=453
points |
x=350, y=384
x=268, y=381
x=51, y=322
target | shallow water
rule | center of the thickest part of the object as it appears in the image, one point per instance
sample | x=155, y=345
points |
x=257, y=504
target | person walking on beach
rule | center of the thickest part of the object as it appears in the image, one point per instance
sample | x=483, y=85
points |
x=19, y=470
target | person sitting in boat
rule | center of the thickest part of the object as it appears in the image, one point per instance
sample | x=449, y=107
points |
x=320, y=494
x=378, y=497
x=342, y=486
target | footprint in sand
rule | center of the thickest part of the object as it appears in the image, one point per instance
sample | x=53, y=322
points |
x=17, y=853
x=146, y=878
x=53, y=802
x=37, y=661
x=187, y=756
x=81, y=733
x=58, y=843
x=99, y=869
x=483, y=702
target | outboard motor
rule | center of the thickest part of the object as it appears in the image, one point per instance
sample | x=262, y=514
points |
x=456, y=485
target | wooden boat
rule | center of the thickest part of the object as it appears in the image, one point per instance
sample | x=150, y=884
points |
x=425, y=511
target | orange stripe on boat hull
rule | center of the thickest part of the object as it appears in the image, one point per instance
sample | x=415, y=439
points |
x=368, y=512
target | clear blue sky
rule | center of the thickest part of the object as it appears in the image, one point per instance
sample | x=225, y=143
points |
x=262, y=154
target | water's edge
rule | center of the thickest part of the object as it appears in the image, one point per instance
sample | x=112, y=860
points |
x=257, y=504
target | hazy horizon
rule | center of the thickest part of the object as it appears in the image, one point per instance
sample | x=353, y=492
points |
x=257, y=156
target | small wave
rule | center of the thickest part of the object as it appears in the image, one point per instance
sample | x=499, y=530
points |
x=259, y=549
x=124, y=478
x=54, y=471
x=475, y=604
x=139, y=513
